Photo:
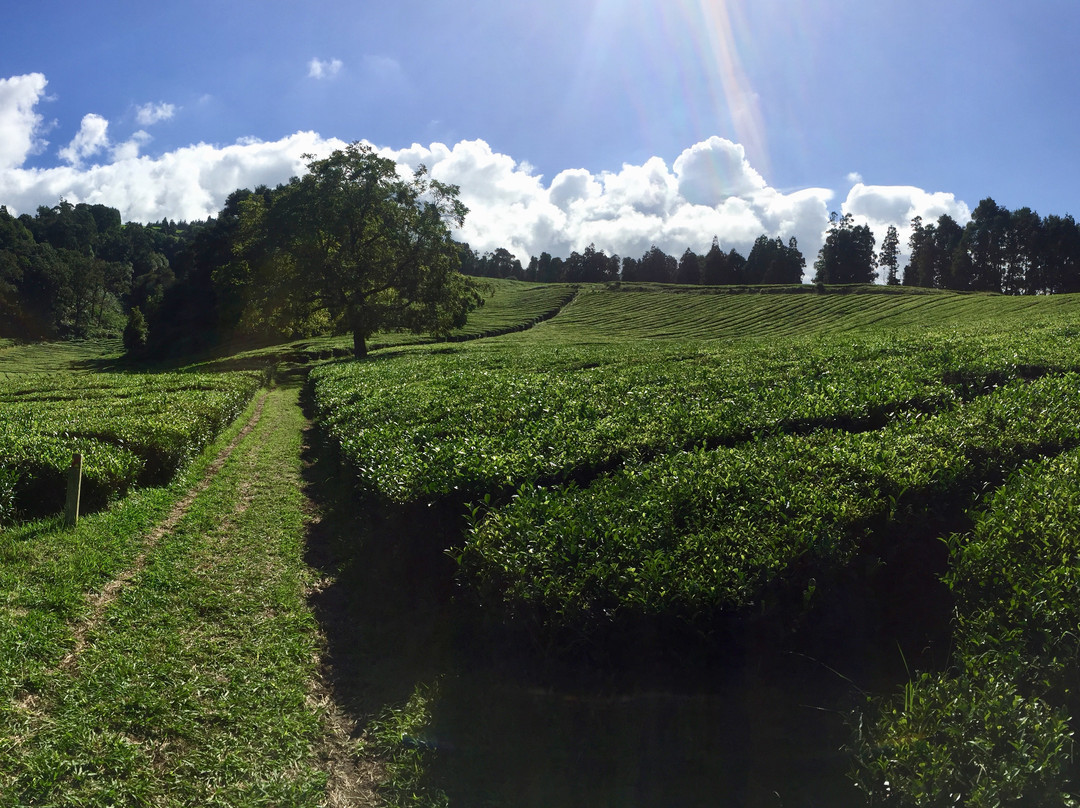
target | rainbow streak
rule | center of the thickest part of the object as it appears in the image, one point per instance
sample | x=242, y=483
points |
x=716, y=44
x=695, y=49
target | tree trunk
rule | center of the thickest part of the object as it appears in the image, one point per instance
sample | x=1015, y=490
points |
x=359, y=344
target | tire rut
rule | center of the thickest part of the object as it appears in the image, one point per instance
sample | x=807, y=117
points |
x=99, y=602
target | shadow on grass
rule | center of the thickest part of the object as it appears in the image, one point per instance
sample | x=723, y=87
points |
x=388, y=615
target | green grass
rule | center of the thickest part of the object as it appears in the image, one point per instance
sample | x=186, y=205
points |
x=83, y=356
x=607, y=313
x=194, y=688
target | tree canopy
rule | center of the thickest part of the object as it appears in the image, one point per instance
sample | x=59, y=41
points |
x=354, y=242
x=847, y=256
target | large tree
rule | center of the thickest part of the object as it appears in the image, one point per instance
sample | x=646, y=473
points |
x=889, y=256
x=847, y=256
x=356, y=241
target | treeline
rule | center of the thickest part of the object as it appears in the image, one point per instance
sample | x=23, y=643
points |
x=998, y=250
x=770, y=261
x=1014, y=252
x=77, y=270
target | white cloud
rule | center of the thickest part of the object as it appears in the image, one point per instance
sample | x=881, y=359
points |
x=92, y=138
x=324, y=68
x=854, y=177
x=878, y=206
x=715, y=170
x=710, y=189
x=896, y=204
x=149, y=114
x=129, y=149
x=573, y=186
x=20, y=125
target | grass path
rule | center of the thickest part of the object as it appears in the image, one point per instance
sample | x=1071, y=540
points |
x=191, y=675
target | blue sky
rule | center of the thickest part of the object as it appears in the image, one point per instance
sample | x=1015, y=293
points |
x=618, y=122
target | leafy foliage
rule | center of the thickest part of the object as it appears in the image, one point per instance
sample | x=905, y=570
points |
x=130, y=428
x=694, y=481
x=847, y=256
x=352, y=239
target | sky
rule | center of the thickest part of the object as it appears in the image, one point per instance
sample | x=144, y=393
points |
x=618, y=123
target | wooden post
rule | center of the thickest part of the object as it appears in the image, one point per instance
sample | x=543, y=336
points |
x=74, y=491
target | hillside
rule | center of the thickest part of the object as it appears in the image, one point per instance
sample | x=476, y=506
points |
x=707, y=541
x=633, y=311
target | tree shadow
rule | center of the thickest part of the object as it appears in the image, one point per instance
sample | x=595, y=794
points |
x=387, y=610
x=659, y=716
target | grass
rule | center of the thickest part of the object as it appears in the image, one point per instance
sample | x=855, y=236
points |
x=194, y=686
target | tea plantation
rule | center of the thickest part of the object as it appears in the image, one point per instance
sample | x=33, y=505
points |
x=654, y=455
x=606, y=463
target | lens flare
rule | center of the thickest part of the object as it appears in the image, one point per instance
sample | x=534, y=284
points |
x=716, y=29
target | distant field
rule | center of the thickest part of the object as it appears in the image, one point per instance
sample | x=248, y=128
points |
x=51, y=357
x=627, y=312
x=509, y=306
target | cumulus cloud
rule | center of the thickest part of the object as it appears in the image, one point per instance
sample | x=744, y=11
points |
x=324, y=68
x=129, y=149
x=710, y=189
x=712, y=171
x=879, y=206
x=189, y=184
x=20, y=124
x=92, y=138
x=893, y=204
x=149, y=114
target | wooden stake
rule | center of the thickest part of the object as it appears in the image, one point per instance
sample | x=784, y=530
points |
x=74, y=491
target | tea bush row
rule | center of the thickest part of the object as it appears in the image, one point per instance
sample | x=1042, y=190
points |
x=703, y=532
x=995, y=728
x=130, y=428
x=466, y=423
